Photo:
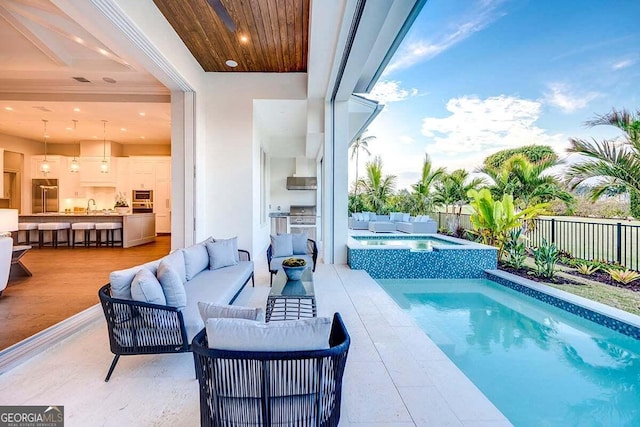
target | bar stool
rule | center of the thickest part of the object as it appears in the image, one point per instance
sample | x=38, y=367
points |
x=110, y=228
x=26, y=228
x=54, y=227
x=86, y=227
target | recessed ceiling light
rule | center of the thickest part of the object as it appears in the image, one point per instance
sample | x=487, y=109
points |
x=103, y=52
x=231, y=63
x=142, y=114
x=8, y=108
x=244, y=39
x=123, y=129
x=109, y=80
x=77, y=110
x=69, y=129
x=142, y=137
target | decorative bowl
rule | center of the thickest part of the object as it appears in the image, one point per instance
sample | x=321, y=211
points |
x=294, y=273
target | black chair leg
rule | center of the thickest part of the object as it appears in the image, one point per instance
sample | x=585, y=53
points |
x=112, y=367
x=253, y=282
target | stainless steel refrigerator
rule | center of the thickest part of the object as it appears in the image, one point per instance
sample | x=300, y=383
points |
x=44, y=195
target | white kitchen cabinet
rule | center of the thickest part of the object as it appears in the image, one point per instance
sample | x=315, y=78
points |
x=143, y=173
x=162, y=195
x=91, y=174
x=69, y=184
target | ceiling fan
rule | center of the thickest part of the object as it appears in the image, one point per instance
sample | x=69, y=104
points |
x=223, y=14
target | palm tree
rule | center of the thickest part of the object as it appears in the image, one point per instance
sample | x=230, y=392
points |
x=377, y=188
x=361, y=143
x=452, y=190
x=615, y=162
x=422, y=188
x=529, y=183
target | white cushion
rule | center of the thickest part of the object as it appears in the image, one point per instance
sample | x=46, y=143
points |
x=287, y=335
x=176, y=261
x=405, y=217
x=196, y=259
x=221, y=254
x=120, y=280
x=234, y=241
x=211, y=310
x=281, y=245
x=171, y=285
x=299, y=243
x=146, y=288
x=365, y=216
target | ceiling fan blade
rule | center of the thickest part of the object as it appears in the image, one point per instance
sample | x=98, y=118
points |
x=223, y=14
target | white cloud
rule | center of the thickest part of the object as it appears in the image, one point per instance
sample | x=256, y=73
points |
x=406, y=140
x=386, y=91
x=623, y=64
x=477, y=17
x=477, y=128
x=561, y=96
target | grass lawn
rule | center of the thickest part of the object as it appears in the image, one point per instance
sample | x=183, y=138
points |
x=621, y=298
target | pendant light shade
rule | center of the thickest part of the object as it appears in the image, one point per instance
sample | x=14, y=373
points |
x=44, y=166
x=74, y=166
x=104, y=166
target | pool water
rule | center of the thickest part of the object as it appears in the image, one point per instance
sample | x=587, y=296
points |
x=540, y=365
x=416, y=243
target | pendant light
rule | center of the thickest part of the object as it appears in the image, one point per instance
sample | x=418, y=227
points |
x=74, y=167
x=44, y=166
x=104, y=166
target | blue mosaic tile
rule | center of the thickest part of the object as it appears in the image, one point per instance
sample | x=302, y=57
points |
x=437, y=264
x=583, y=312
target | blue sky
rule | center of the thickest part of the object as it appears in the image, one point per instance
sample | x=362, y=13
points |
x=473, y=77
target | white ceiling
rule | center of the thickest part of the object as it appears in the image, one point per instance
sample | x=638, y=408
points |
x=42, y=50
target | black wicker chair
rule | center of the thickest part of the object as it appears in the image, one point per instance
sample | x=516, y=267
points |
x=302, y=388
x=312, y=249
x=140, y=328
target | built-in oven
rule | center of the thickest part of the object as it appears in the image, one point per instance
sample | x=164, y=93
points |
x=142, y=201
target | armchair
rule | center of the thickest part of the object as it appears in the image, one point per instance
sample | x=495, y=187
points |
x=275, y=263
x=6, y=250
x=277, y=388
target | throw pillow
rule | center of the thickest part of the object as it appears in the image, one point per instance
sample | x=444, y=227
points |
x=366, y=216
x=209, y=310
x=196, y=259
x=234, y=242
x=281, y=245
x=299, y=243
x=288, y=335
x=146, y=288
x=176, y=260
x=120, y=280
x=221, y=254
x=405, y=217
x=172, y=285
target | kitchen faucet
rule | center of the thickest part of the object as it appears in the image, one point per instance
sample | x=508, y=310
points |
x=89, y=204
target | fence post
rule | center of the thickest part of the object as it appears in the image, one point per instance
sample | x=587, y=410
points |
x=619, y=243
x=553, y=230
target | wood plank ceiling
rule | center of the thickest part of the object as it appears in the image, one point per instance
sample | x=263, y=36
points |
x=270, y=35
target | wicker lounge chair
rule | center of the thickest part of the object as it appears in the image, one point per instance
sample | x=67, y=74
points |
x=300, y=388
x=275, y=263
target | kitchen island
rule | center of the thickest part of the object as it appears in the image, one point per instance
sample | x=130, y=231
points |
x=137, y=229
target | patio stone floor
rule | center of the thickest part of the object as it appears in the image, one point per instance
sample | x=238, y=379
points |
x=395, y=375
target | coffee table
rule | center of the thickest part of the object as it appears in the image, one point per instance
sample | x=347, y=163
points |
x=291, y=299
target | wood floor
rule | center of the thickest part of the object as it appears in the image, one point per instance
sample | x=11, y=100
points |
x=65, y=281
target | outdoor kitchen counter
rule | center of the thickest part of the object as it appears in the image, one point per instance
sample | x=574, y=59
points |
x=137, y=229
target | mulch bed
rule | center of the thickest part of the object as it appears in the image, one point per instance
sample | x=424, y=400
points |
x=599, y=276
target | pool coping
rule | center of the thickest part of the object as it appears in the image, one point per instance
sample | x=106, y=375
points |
x=597, y=312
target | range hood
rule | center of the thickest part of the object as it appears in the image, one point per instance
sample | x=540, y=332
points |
x=302, y=183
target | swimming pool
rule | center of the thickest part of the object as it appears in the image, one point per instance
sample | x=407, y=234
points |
x=539, y=364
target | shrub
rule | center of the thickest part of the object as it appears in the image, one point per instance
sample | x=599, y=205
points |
x=587, y=269
x=545, y=257
x=623, y=276
x=515, y=249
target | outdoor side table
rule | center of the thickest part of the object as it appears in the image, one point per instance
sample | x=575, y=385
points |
x=291, y=299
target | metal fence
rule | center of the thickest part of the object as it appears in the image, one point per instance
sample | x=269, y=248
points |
x=611, y=242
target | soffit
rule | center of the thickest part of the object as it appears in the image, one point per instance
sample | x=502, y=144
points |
x=276, y=33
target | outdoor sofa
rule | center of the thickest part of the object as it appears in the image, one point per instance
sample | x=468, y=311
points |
x=153, y=308
x=419, y=224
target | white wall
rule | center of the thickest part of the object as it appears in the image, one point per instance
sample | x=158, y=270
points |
x=231, y=158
